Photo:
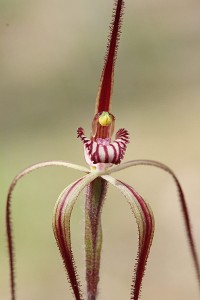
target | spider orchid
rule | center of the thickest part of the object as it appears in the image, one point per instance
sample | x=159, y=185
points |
x=103, y=157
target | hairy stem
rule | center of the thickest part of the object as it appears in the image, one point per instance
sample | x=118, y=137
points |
x=95, y=196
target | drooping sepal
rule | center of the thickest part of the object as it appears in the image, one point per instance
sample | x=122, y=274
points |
x=145, y=221
x=9, y=231
x=182, y=200
x=61, y=227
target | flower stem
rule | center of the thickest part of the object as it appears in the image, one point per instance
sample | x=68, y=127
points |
x=95, y=196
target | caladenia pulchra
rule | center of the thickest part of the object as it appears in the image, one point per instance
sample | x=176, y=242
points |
x=103, y=157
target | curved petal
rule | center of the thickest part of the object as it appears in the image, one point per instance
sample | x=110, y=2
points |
x=145, y=221
x=181, y=198
x=8, y=209
x=61, y=227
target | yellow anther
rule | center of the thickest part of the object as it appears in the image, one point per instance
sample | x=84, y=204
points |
x=105, y=119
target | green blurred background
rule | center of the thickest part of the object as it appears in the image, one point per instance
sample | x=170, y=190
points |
x=51, y=56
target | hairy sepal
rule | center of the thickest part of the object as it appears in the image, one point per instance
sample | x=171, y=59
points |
x=9, y=232
x=61, y=227
x=182, y=200
x=145, y=221
x=107, y=76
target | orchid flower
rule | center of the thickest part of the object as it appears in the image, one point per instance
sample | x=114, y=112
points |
x=104, y=156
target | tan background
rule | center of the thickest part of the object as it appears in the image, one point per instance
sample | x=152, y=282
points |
x=51, y=55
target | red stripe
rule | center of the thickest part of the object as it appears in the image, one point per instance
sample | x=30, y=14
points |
x=115, y=153
x=106, y=154
x=146, y=242
x=118, y=159
x=63, y=246
x=97, y=154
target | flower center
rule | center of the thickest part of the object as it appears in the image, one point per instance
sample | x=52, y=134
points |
x=105, y=119
x=103, y=126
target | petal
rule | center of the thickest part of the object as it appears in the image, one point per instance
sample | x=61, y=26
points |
x=182, y=200
x=8, y=209
x=61, y=227
x=145, y=221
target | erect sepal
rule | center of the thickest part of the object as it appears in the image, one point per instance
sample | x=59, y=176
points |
x=145, y=221
x=61, y=227
x=107, y=76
